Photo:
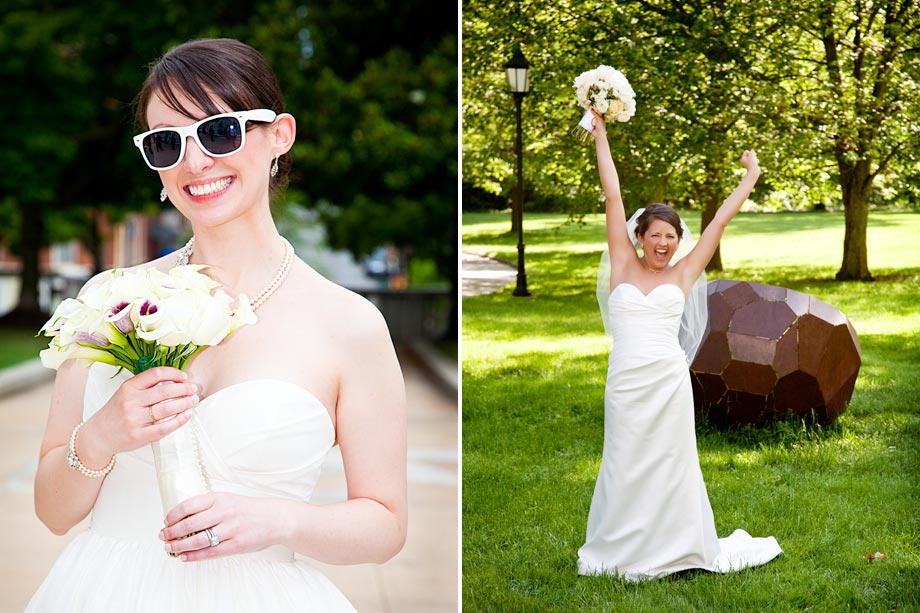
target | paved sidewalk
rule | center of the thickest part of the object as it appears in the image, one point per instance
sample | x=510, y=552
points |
x=23, y=377
x=482, y=275
x=423, y=577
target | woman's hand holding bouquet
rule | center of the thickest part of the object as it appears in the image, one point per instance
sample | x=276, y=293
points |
x=150, y=323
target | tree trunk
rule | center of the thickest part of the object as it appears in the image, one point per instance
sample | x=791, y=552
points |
x=856, y=186
x=708, y=194
x=27, y=312
x=709, y=212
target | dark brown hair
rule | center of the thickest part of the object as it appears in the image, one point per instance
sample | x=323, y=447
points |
x=210, y=70
x=658, y=211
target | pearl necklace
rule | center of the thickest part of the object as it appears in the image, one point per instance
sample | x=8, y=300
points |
x=186, y=252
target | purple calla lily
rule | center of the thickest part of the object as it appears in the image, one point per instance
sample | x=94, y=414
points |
x=86, y=337
x=120, y=317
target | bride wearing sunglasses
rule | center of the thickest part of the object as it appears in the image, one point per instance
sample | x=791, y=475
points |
x=316, y=370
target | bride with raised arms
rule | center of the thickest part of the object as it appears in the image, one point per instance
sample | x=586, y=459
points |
x=650, y=515
x=317, y=369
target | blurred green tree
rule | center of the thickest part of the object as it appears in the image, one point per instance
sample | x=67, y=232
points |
x=380, y=155
x=373, y=88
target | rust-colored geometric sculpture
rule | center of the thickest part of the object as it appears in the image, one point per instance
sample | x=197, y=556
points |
x=770, y=351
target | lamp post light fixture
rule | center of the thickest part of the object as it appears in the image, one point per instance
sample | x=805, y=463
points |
x=516, y=69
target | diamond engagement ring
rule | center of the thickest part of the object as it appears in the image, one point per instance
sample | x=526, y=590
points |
x=212, y=538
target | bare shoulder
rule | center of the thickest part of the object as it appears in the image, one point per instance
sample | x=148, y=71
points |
x=351, y=317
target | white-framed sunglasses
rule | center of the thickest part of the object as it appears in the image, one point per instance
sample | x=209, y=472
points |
x=218, y=136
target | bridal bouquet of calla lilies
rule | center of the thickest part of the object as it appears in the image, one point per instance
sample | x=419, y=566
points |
x=145, y=318
x=607, y=91
x=142, y=319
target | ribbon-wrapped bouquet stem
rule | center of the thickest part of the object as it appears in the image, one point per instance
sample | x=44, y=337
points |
x=607, y=91
x=145, y=318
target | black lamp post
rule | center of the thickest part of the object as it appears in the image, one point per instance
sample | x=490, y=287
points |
x=516, y=69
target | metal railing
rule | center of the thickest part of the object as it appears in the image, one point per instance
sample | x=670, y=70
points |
x=412, y=314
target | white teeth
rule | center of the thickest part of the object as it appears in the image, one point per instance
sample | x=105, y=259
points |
x=208, y=188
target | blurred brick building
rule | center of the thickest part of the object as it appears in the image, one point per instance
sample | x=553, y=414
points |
x=65, y=267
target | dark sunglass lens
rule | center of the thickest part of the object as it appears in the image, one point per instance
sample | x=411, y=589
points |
x=162, y=149
x=222, y=135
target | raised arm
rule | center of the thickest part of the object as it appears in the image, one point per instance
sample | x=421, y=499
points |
x=617, y=240
x=702, y=252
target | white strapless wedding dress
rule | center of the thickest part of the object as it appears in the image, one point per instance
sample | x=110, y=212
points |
x=650, y=515
x=264, y=438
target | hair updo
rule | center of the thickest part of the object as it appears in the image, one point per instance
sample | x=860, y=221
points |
x=213, y=70
x=658, y=211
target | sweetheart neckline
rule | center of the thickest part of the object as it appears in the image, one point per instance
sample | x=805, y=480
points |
x=120, y=373
x=651, y=291
x=296, y=386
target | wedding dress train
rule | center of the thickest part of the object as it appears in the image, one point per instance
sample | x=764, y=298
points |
x=264, y=438
x=650, y=515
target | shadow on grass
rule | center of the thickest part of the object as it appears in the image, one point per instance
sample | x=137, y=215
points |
x=533, y=429
x=784, y=433
x=534, y=383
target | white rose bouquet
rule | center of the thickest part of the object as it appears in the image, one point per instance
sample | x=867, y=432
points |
x=142, y=319
x=607, y=91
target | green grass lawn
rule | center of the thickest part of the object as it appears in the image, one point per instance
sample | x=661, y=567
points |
x=18, y=345
x=533, y=402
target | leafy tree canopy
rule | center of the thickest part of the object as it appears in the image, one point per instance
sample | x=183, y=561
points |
x=826, y=93
x=373, y=90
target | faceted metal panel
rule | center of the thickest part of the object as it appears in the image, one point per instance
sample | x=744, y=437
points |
x=740, y=294
x=786, y=360
x=771, y=351
x=715, y=386
x=797, y=392
x=749, y=377
x=763, y=318
x=720, y=312
x=717, y=354
x=840, y=362
x=797, y=301
x=811, y=353
x=751, y=349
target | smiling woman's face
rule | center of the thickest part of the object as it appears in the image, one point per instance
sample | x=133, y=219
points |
x=659, y=244
x=211, y=191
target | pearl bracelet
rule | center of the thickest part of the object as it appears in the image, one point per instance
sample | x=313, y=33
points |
x=74, y=462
